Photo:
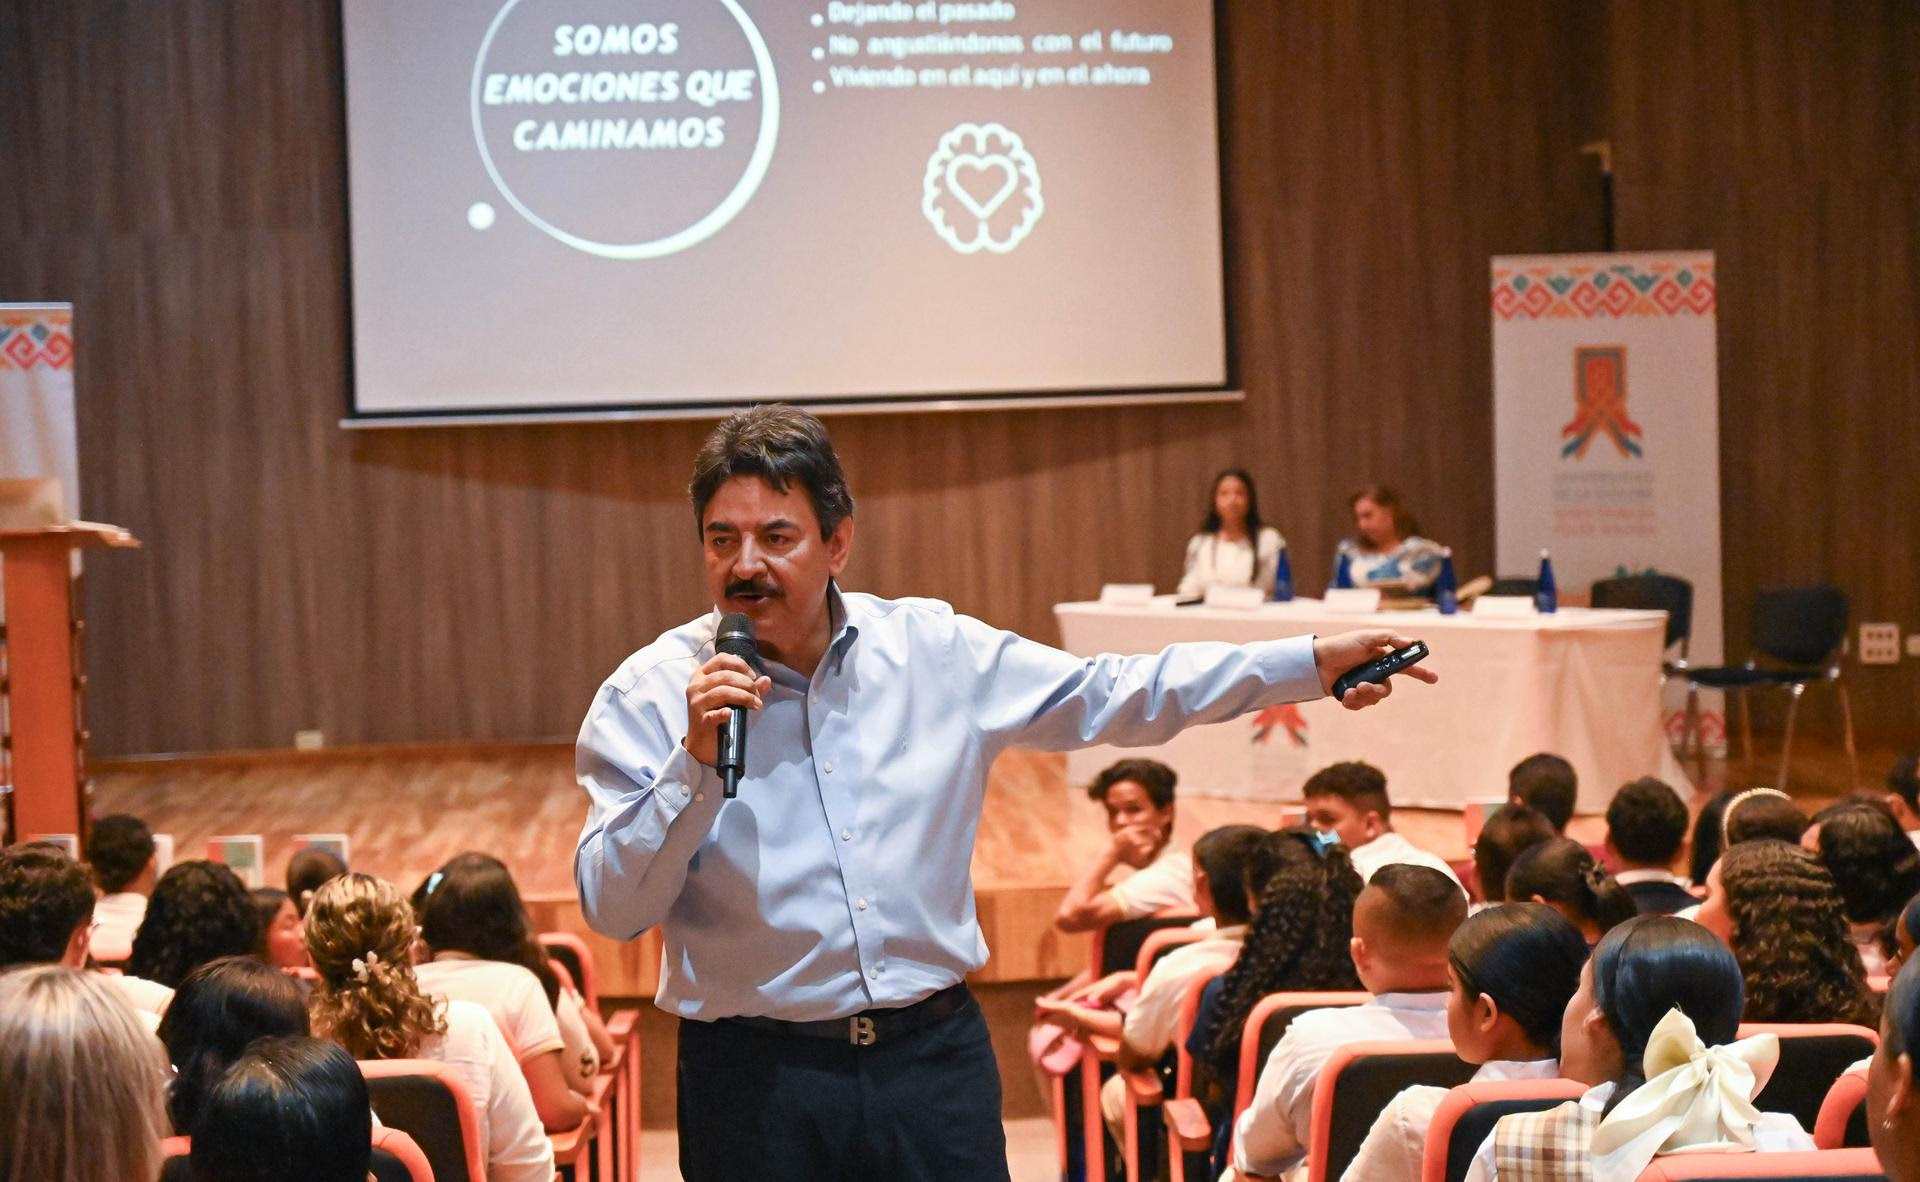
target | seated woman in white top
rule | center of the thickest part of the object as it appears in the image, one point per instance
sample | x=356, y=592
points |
x=482, y=949
x=1388, y=553
x=1232, y=548
x=359, y=930
x=1511, y=970
x=1893, y=1085
x=1651, y=1031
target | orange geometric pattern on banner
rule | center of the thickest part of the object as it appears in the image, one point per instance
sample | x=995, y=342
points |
x=1600, y=402
x=1603, y=292
x=29, y=339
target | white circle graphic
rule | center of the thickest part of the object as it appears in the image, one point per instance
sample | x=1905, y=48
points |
x=729, y=207
x=480, y=215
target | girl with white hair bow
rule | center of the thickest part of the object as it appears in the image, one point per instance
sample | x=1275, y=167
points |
x=1651, y=1031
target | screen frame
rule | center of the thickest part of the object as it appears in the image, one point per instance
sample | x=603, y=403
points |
x=1073, y=397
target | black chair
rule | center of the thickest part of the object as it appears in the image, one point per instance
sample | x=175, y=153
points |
x=1358, y=1082
x=1812, y=1059
x=1798, y=630
x=1674, y=596
x=1514, y=585
x=1467, y=1115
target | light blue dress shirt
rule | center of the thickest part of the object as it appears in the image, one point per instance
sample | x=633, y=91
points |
x=839, y=879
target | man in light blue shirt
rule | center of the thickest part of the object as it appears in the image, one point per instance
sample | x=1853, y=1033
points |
x=819, y=926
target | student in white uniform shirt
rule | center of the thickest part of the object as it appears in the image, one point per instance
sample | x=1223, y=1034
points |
x=1233, y=548
x=1137, y=795
x=121, y=852
x=1511, y=970
x=1402, y=923
x=482, y=949
x=46, y=917
x=1651, y=1031
x=1350, y=799
x=360, y=930
x=1230, y=865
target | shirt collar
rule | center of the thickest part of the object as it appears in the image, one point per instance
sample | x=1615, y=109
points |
x=1631, y=877
x=841, y=628
x=1426, y=999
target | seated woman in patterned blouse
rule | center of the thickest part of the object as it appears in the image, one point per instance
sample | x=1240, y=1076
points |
x=1388, y=552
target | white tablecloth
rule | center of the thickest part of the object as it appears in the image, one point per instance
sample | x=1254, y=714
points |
x=1582, y=683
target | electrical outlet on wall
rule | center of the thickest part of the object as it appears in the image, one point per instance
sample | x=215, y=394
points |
x=1879, y=644
x=309, y=740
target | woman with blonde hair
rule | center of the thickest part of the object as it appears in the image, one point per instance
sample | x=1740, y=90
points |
x=82, y=1081
x=359, y=933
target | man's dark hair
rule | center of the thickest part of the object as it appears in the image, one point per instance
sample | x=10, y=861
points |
x=780, y=444
x=1903, y=779
x=1424, y=906
x=44, y=897
x=1153, y=776
x=118, y=850
x=1228, y=855
x=290, y=1109
x=1361, y=785
x=1509, y=831
x=1647, y=822
x=219, y=1008
x=1545, y=783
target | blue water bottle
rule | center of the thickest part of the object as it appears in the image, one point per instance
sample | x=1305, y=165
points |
x=1546, y=598
x=1282, y=578
x=1446, y=588
x=1343, y=573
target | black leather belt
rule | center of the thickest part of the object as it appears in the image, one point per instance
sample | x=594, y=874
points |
x=873, y=1027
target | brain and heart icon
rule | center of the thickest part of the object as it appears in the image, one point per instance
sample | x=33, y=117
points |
x=981, y=190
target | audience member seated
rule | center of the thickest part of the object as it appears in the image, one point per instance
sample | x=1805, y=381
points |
x=1388, y=552
x=1298, y=941
x=1759, y=814
x=46, y=917
x=1903, y=793
x=200, y=911
x=1508, y=832
x=1233, y=548
x=1893, y=1086
x=1566, y=876
x=1223, y=861
x=1709, y=835
x=1776, y=907
x=1651, y=1031
x=1138, y=797
x=1906, y=935
x=307, y=871
x=218, y=1010
x=1646, y=825
x=484, y=950
x=80, y=1081
x=1548, y=785
x=1350, y=799
x=120, y=851
x=282, y=943
x=1402, y=923
x=1877, y=870
x=1511, y=971
x=291, y=1109
x=359, y=932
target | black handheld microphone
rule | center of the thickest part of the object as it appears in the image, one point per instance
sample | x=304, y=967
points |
x=735, y=638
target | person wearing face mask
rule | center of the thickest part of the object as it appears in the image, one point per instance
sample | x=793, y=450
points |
x=1349, y=800
x=1233, y=548
x=1651, y=1032
x=819, y=925
x=1511, y=970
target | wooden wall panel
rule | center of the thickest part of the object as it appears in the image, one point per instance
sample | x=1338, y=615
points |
x=176, y=169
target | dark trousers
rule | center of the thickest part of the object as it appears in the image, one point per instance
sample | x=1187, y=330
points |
x=771, y=1106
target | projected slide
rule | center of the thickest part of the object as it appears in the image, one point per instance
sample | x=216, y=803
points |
x=564, y=205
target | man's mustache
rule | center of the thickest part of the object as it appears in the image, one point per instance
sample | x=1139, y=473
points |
x=739, y=588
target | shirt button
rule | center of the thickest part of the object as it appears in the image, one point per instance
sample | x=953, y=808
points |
x=861, y=904
x=699, y=796
x=846, y=835
x=827, y=767
x=874, y=972
x=686, y=792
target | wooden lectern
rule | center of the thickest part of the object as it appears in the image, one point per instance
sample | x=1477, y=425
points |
x=42, y=739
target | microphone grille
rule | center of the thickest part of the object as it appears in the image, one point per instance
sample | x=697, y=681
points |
x=735, y=635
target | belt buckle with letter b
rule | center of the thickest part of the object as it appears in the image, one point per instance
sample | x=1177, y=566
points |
x=860, y=1031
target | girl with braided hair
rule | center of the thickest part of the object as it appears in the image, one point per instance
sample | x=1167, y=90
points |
x=360, y=931
x=1297, y=940
x=1777, y=907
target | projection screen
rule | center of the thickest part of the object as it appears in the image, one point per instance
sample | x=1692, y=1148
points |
x=586, y=206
